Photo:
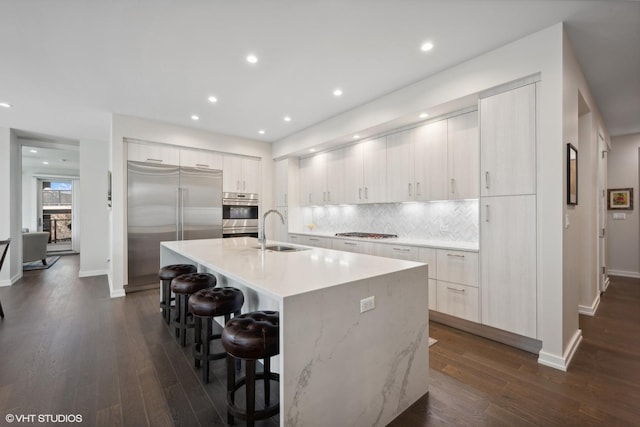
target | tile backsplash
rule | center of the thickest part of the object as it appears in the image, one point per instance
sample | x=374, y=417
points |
x=443, y=220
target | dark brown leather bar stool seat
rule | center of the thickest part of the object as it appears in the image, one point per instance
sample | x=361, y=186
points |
x=183, y=286
x=166, y=275
x=249, y=337
x=205, y=305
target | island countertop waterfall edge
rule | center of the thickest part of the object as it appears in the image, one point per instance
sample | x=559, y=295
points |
x=337, y=365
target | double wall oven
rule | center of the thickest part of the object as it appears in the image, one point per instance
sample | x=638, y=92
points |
x=239, y=215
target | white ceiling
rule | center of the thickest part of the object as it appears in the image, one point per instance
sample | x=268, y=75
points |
x=68, y=65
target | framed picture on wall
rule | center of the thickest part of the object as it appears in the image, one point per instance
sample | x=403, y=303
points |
x=620, y=199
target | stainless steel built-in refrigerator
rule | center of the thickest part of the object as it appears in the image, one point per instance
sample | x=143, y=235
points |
x=167, y=203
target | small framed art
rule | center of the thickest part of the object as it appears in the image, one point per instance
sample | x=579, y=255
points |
x=620, y=199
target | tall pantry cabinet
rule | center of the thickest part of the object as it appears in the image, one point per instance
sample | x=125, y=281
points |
x=508, y=210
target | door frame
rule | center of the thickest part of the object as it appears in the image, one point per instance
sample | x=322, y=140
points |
x=603, y=277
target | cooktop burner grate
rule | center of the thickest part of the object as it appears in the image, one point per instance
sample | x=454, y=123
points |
x=367, y=235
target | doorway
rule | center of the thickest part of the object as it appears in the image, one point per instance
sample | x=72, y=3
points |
x=55, y=212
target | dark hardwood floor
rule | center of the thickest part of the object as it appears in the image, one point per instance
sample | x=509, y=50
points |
x=67, y=348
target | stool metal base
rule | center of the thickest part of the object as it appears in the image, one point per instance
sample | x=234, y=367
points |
x=249, y=382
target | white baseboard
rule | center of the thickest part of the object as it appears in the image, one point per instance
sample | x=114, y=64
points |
x=91, y=273
x=590, y=310
x=622, y=273
x=562, y=363
x=11, y=281
x=4, y=283
x=114, y=293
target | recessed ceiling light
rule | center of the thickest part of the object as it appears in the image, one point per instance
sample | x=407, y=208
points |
x=252, y=59
x=195, y=118
x=5, y=105
x=356, y=136
x=426, y=47
x=261, y=131
x=33, y=151
x=45, y=163
x=337, y=92
x=312, y=150
x=287, y=118
x=212, y=99
x=424, y=115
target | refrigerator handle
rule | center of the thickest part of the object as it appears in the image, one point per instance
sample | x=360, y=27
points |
x=182, y=191
x=178, y=213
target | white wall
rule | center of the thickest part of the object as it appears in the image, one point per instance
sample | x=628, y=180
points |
x=94, y=230
x=156, y=131
x=10, y=207
x=624, y=235
x=538, y=53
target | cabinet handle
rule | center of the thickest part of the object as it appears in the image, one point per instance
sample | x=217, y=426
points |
x=238, y=185
x=324, y=196
x=154, y=160
x=350, y=244
x=418, y=190
x=201, y=165
x=455, y=289
x=455, y=255
x=486, y=180
x=453, y=185
x=409, y=189
x=366, y=193
x=313, y=240
x=401, y=249
x=328, y=196
x=486, y=214
x=359, y=193
x=285, y=198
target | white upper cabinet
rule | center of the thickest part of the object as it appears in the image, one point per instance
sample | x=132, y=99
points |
x=353, y=173
x=153, y=153
x=281, y=171
x=335, y=177
x=374, y=158
x=200, y=159
x=507, y=138
x=431, y=161
x=313, y=175
x=401, y=186
x=464, y=156
x=241, y=174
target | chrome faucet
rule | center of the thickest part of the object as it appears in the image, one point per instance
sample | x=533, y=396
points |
x=263, y=238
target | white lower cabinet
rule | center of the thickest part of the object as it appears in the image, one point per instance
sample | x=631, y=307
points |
x=366, y=248
x=433, y=293
x=457, y=267
x=457, y=300
x=508, y=270
x=408, y=253
x=319, y=242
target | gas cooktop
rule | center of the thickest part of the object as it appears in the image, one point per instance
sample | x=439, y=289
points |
x=367, y=235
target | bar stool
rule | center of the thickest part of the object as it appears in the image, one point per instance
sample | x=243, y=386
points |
x=205, y=305
x=166, y=275
x=183, y=286
x=249, y=337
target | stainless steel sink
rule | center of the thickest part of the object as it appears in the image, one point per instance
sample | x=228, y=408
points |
x=282, y=248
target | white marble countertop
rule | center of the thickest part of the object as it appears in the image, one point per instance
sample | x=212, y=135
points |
x=285, y=274
x=441, y=244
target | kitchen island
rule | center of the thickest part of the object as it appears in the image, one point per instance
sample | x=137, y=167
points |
x=338, y=365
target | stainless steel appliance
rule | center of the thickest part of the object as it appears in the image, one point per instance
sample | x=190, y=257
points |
x=167, y=203
x=240, y=215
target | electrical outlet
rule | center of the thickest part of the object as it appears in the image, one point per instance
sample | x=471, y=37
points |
x=367, y=304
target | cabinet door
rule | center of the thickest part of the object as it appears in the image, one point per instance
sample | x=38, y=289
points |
x=353, y=185
x=408, y=253
x=352, y=246
x=431, y=161
x=464, y=156
x=281, y=231
x=335, y=177
x=507, y=142
x=319, y=185
x=374, y=167
x=457, y=300
x=508, y=263
x=232, y=174
x=433, y=294
x=200, y=159
x=281, y=169
x=400, y=167
x=306, y=181
x=458, y=267
x=153, y=153
x=319, y=242
x=250, y=175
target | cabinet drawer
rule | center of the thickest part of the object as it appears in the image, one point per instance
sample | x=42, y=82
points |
x=458, y=267
x=352, y=246
x=457, y=300
x=428, y=256
x=319, y=242
x=296, y=238
x=408, y=253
